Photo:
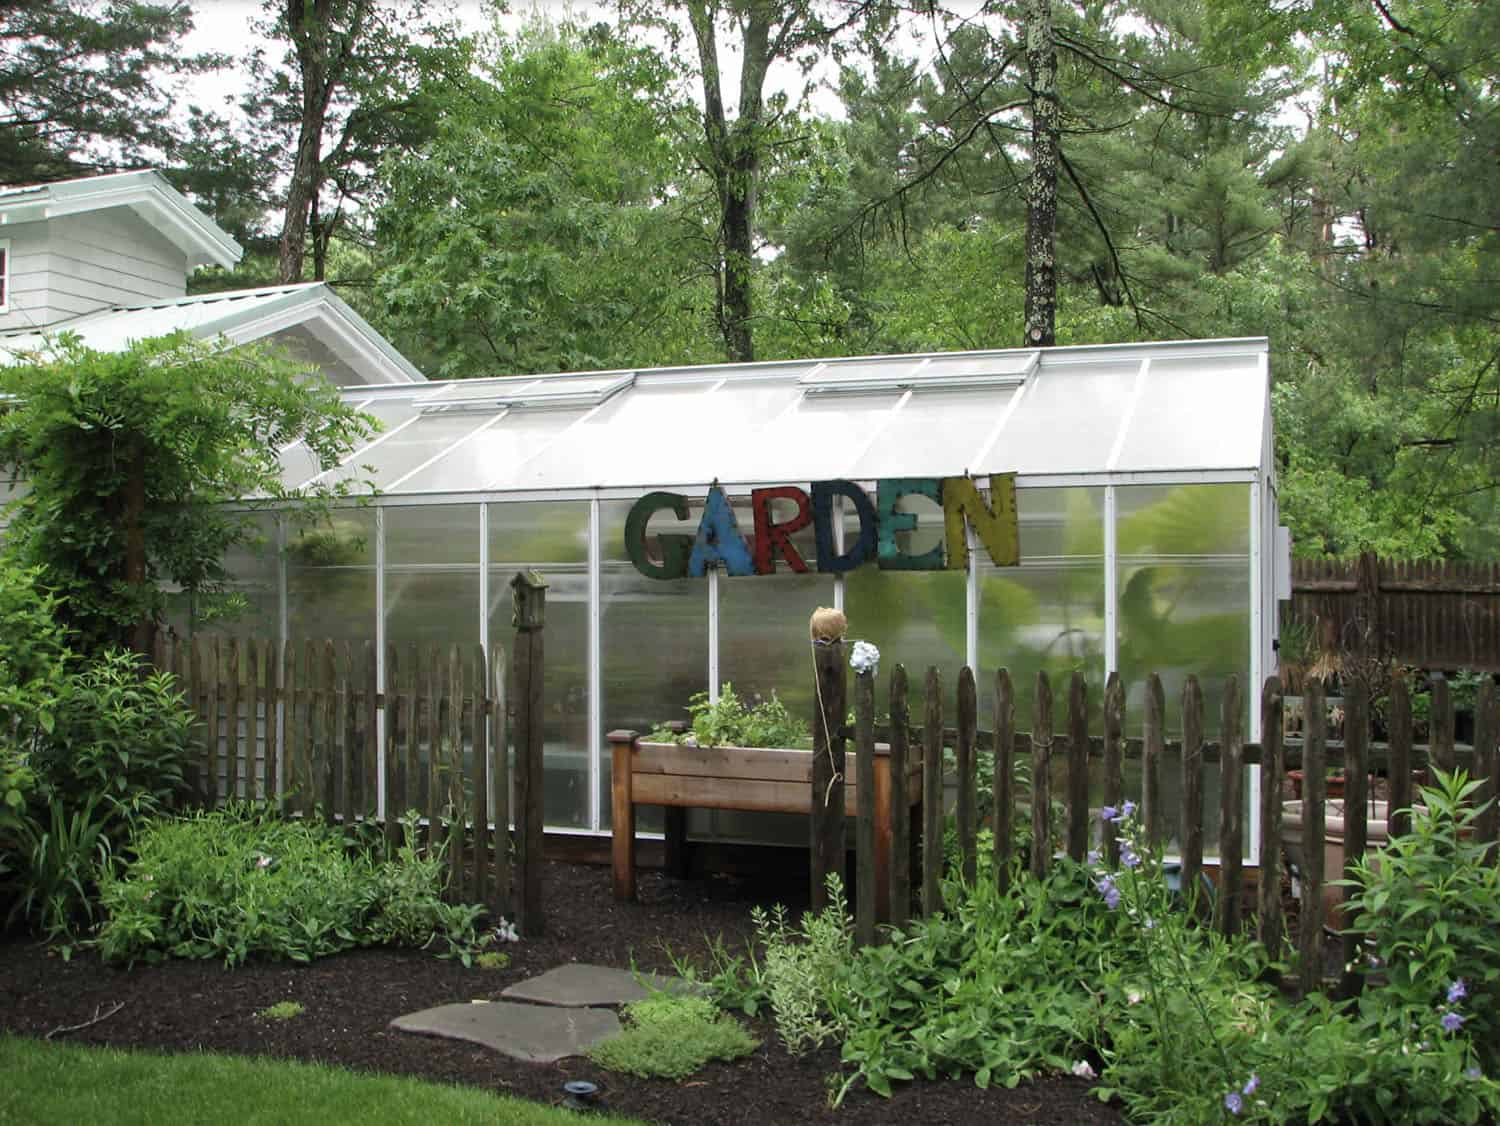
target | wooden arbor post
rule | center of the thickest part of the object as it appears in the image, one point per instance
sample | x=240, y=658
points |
x=529, y=603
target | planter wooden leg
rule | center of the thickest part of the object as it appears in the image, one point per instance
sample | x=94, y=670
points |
x=622, y=810
x=674, y=832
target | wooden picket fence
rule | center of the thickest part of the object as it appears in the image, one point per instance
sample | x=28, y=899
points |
x=1187, y=754
x=304, y=728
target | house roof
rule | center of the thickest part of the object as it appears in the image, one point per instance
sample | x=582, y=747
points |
x=1134, y=413
x=309, y=317
x=146, y=192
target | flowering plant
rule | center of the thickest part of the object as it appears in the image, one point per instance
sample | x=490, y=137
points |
x=865, y=658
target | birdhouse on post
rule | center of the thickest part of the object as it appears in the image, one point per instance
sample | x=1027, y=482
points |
x=528, y=601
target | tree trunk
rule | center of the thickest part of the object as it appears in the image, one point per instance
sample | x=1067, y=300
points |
x=738, y=208
x=305, y=174
x=1041, y=203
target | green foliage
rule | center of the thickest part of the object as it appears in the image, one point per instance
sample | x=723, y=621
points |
x=282, y=1011
x=735, y=983
x=804, y=970
x=33, y=677
x=123, y=734
x=60, y=855
x=238, y=883
x=729, y=723
x=670, y=1036
x=492, y=960
x=129, y=457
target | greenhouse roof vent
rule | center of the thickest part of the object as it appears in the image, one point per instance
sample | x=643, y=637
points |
x=552, y=394
x=934, y=373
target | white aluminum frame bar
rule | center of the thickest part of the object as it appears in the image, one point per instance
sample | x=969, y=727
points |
x=380, y=660
x=596, y=667
x=1111, y=583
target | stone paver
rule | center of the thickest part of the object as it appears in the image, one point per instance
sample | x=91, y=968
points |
x=534, y=1033
x=579, y=984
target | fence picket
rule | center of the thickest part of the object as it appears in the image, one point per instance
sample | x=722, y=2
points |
x=1078, y=768
x=826, y=826
x=1231, y=784
x=899, y=863
x=1041, y=787
x=1114, y=738
x=393, y=799
x=232, y=752
x=1356, y=768
x=1310, y=911
x=286, y=767
x=1268, y=906
x=1192, y=791
x=311, y=713
x=1441, y=738
x=432, y=685
x=455, y=764
x=1151, y=755
x=370, y=746
x=1003, y=808
x=932, y=796
x=327, y=774
x=1399, y=733
x=963, y=754
x=500, y=741
x=864, y=797
x=1486, y=765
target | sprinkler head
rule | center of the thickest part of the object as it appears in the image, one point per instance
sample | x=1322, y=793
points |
x=579, y=1094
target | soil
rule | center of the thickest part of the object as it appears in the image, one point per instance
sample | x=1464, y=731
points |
x=349, y=1000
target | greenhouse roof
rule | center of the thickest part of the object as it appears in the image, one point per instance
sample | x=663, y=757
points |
x=1182, y=410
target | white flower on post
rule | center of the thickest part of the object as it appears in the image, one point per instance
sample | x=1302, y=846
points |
x=865, y=658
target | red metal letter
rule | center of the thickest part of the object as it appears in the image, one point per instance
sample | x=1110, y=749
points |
x=771, y=537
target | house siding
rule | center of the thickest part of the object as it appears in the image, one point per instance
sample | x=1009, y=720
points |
x=27, y=300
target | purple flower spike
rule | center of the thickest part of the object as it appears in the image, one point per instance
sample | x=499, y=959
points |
x=1252, y=1084
x=1458, y=991
x=1233, y=1103
x=1108, y=813
x=1452, y=1022
x=1105, y=885
x=1128, y=856
x=1128, y=809
x=1473, y=1072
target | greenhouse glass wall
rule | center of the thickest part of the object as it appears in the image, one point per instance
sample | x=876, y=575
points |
x=1145, y=498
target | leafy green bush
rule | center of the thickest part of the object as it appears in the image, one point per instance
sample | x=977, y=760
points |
x=729, y=723
x=59, y=857
x=238, y=883
x=33, y=673
x=804, y=970
x=670, y=1036
x=123, y=733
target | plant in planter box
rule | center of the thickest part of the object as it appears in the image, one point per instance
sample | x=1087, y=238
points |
x=728, y=722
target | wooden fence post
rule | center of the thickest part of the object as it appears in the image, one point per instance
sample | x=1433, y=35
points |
x=346, y=713
x=899, y=861
x=1231, y=806
x=1078, y=768
x=481, y=779
x=1192, y=792
x=1486, y=765
x=257, y=781
x=370, y=760
x=311, y=710
x=864, y=799
x=529, y=602
x=1114, y=780
x=1151, y=755
x=1041, y=781
x=1399, y=732
x=327, y=775
x=286, y=766
x=1004, y=807
x=432, y=728
x=1268, y=906
x=932, y=795
x=393, y=800
x=826, y=825
x=232, y=750
x=622, y=746
x=455, y=835
x=213, y=673
x=966, y=813
x=1356, y=772
x=1310, y=913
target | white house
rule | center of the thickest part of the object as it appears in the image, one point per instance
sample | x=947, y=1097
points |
x=108, y=257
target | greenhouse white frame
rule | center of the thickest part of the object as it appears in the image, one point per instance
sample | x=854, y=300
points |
x=1107, y=417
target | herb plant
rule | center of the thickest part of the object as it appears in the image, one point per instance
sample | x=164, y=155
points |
x=729, y=722
x=672, y=1035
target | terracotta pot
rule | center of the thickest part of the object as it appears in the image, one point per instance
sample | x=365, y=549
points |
x=1376, y=837
x=1333, y=787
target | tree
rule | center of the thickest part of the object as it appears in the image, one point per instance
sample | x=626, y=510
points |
x=357, y=81
x=131, y=459
x=83, y=84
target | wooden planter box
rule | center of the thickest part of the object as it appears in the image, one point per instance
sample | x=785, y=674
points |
x=754, y=779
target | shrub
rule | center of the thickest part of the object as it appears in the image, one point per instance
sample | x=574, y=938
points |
x=237, y=883
x=670, y=1036
x=804, y=970
x=59, y=857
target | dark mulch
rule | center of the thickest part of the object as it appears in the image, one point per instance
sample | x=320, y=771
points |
x=350, y=999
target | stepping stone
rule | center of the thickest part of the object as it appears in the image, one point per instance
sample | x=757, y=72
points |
x=532, y=1033
x=578, y=984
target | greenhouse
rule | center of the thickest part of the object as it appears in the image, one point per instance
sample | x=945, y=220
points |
x=1144, y=494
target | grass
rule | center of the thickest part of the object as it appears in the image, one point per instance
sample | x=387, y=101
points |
x=282, y=1010
x=47, y=1084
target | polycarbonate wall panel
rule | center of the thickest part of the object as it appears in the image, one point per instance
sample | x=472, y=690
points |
x=935, y=434
x=331, y=578
x=1193, y=414
x=253, y=610
x=432, y=576
x=1184, y=608
x=551, y=538
x=1048, y=613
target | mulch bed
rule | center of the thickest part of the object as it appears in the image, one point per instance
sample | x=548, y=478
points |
x=349, y=1000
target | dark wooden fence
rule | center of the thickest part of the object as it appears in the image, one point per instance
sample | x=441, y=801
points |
x=1431, y=614
x=1070, y=737
x=304, y=727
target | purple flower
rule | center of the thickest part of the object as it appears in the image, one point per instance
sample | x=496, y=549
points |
x=1128, y=809
x=1108, y=813
x=1106, y=887
x=1457, y=991
x=1128, y=856
x=1452, y=1021
x=1252, y=1084
x=1094, y=856
x=1233, y=1103
x=1473, y=1072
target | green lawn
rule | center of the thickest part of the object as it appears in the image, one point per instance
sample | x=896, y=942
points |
x=60, y=1084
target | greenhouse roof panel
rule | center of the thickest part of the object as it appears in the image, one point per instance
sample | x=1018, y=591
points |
x=1152, y=408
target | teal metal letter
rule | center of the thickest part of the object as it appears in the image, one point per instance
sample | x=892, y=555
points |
x=719, y=539
x=891, y=522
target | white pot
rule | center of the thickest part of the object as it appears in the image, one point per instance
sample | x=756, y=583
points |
x=1376, y=837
